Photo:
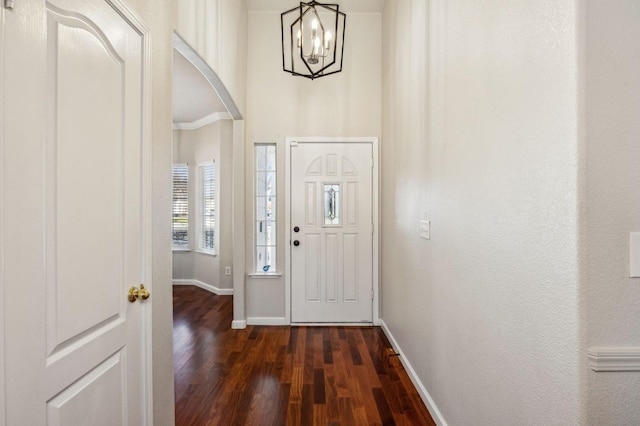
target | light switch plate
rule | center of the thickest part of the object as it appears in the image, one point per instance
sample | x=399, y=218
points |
x=425, y=229
x=634, y=254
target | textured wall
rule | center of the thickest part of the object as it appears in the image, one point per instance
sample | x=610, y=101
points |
x=280, y=105
x=482, y=142
x=193, y=147
x=611, y=80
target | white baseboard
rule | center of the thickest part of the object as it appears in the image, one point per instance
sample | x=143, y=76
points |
x=426, y=398
x=614, y=359
x=266, y=321
x=239, y=324
x=205, y=286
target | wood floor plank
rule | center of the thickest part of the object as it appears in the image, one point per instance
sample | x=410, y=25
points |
x=284, y=375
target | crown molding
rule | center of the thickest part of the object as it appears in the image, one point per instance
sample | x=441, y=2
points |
x=204, y=121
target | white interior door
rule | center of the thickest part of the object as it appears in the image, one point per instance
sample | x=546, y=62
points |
x=331, y=232
x=74, y=228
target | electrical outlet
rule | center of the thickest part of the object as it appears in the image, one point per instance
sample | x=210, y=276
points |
x=227, y=270
x=425, y=229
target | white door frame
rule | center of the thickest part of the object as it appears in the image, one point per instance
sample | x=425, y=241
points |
x=2, y=298
x=289, y=141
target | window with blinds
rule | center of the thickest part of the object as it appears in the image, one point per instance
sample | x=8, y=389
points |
x=180, y=216
x=207, y=173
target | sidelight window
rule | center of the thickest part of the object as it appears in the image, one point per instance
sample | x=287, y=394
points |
x=265, y=208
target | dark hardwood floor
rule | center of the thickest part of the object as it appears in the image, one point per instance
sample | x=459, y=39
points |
x=280, y=375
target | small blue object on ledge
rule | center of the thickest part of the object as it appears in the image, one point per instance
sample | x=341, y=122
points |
x=266, y=268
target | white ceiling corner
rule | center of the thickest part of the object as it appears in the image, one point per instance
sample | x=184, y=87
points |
x=347, y=6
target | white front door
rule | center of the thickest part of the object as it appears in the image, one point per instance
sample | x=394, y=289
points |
x=75, y=216
x=331, y=232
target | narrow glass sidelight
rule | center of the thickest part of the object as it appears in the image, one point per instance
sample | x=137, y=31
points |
x=332, y=204
x=265, y=208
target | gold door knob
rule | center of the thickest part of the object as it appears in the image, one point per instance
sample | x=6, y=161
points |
x=135, y=294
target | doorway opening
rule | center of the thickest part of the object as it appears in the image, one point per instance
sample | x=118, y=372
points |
x=209, y=153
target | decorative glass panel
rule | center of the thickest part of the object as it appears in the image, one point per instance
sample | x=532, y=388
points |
x=332, y=204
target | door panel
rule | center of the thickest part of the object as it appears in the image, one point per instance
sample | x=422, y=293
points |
x=75, y=405
x=74, y=350
x=86, y=104
x=332, y=203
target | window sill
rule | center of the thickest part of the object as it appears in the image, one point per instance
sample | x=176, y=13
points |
x=181, y=250
x=267, y=275
x=208, y=253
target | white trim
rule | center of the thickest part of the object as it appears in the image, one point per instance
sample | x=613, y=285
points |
x=210, y=288
x=2, y=297
x=239, y=224
x=331, y=324
x=201, y=122
x=424, y=395
x=266, y=321
x=239, y=324
x=294, y=141
x=260, y=275
x=614, y=359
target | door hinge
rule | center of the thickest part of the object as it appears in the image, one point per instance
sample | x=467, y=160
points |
x=372, y=163
x=371, y=294
x=8, y=4
x=372, y=228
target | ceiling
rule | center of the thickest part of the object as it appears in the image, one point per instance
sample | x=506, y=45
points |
x=193, y=96
x=354, y=6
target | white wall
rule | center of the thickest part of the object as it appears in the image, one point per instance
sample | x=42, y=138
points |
x=159, y=15
x=217, y=30
x=479, y=137
x=193, y=147
x=611, y=79
x=281, y=105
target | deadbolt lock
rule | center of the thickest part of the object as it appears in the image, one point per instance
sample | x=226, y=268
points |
x=135, y=294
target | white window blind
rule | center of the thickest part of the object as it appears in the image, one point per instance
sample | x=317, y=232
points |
x=180, y=216
x=208, y=207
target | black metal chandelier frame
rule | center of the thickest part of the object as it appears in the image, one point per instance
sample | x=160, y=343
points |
x=303, y=9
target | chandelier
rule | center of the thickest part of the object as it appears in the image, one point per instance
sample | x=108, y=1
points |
x=313, y=39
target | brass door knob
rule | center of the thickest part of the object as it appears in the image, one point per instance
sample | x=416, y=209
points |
x=135, y=294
